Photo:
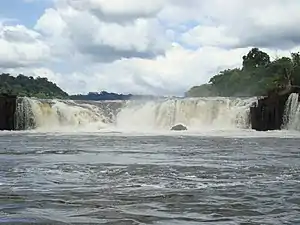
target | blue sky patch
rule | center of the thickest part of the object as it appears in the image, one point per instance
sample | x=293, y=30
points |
x=23, y=12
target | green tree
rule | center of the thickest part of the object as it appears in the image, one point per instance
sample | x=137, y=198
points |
x=295, y=73
x=205, y=90
x=28, y=86
x=254, y=59
x=257, y=76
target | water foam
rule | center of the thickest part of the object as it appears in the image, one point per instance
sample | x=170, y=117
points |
x=196, y=113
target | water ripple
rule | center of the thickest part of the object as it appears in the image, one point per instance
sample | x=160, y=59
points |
x=149, y=180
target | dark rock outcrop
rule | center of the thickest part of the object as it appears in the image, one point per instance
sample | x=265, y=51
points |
x=7, y=111
x=268, y=113
x=179, y=127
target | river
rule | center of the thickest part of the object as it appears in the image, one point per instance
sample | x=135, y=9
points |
x=215, y=176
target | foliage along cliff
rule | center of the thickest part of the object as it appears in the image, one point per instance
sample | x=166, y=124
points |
x=44, y=89
x=30, y=87
x=258, y=76
x=95, y=96
x=103, y=95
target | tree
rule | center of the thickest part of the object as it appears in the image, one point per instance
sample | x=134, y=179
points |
x=254, y=59
x=295, y=73
x=257, y=76
x=28, y=86
x=204, y=90
x=228, y=82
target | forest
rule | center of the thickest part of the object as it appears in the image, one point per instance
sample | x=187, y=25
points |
x=258, y=76
x=104, y=95
x=44, y=89
x=30, y=87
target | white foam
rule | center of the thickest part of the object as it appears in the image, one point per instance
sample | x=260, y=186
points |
x=121, y=133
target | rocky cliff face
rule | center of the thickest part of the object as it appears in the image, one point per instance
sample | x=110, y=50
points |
x=7, y=112
x=268, y=113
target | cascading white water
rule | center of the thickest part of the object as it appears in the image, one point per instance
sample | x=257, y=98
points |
x=59, y=114
x=23, y=117
x=291, y=119
x=196, y=113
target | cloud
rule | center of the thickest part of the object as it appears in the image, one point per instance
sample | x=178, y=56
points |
x=209, y=36
x=109, y=42
x=21, y=47
x=171, y=74
x=150, y=46
x=116, y=10
x=235, y=23
x=75, y=24
x=274, y=26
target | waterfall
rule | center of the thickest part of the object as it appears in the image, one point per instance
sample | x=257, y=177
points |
x=196, y=113
x=61, y=114
x=291, y=118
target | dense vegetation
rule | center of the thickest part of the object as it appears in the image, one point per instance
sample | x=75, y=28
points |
x=30, y=87
x=44, y=89
x=95, y=96
x=258, y=76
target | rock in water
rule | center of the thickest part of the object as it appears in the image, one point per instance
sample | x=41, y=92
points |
x=179, y=127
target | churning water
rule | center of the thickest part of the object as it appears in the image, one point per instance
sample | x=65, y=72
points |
x=119, y=163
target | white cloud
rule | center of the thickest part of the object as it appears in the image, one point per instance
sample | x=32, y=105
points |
x=150, y=46
x=75, y=26
x=171, y=74
x=269, y=23
x=117, y=10
x=21, y=47
x=51, y=23
x=209, y=36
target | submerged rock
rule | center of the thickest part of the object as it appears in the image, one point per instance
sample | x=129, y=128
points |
x=178, y=127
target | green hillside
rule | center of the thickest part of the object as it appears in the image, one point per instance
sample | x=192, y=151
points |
x=258, y=76
x=30, y=87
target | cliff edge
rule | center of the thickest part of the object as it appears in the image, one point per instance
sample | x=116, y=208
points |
x=268, y=112
x=8, y=105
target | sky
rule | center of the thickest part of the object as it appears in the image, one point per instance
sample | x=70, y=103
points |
x=160, y=47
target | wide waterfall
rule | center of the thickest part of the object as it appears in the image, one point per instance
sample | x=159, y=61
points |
x=196, y=113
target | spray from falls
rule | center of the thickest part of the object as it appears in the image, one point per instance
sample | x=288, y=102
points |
x=197, y=113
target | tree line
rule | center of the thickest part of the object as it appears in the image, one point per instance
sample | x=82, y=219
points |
x=30, y=87
x=44, y=89
x=258, y=76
